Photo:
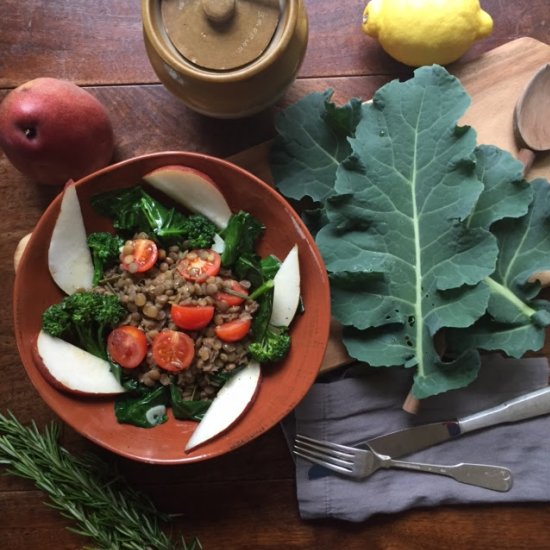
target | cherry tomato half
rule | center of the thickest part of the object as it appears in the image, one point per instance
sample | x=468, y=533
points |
x=191, y=317
x=198, y=265
x=127, y=346
x=173, y=350
x=231, y=299
x=141, y=257
x=233, y=331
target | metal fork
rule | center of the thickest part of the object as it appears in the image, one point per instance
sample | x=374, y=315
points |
x=361, y=463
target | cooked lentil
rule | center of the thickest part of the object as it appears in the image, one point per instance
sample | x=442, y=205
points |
x=148, y=298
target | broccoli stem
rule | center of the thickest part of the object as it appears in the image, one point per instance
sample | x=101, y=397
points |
x=262, y=289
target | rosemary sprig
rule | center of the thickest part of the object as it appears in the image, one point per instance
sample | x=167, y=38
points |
x=85, y=489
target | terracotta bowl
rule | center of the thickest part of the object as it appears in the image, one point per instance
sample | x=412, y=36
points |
x=283, y=385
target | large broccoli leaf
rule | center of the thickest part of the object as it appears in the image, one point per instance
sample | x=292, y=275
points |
x=311, y=143
x=397, y=219
x=405, y=212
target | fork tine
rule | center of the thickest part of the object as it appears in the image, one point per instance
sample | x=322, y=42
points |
x=315, y=460
x=324, y=450
x=325, y=445
x=334, y=457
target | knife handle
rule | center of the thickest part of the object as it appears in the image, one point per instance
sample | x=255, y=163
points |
x=525, y=406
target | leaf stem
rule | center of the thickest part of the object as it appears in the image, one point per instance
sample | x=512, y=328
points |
x=510, y=296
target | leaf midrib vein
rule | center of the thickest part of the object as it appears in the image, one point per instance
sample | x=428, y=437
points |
x=417, y=251
x=316, y=145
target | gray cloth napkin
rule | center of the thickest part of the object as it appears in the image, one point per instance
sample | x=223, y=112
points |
x=367, y=402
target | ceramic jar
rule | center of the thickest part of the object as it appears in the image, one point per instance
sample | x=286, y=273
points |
x=225, y=58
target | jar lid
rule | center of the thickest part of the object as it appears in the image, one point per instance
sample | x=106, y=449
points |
x=220, y=35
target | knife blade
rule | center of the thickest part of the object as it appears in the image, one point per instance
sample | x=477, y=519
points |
x=410, y=440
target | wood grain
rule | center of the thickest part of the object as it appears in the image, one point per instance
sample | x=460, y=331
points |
x=495, y=82
x=246, y=499
x=100, y=43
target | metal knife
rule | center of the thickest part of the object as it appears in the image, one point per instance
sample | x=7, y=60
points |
x=410, y=440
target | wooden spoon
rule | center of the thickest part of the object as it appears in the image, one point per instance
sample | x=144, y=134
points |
x=532, y=117
x=532, y=129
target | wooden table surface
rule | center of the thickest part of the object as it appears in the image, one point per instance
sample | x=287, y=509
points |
x=246, y=499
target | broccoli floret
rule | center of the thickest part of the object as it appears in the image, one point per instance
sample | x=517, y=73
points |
x=84, y=318
x=56, y=321
x=198, y=231
x=105, y=249
x=273, y=346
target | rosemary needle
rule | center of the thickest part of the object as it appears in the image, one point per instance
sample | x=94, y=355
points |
x=86, y=490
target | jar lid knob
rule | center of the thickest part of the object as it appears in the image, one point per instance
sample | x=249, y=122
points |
x=218, y=11
x=221, y=35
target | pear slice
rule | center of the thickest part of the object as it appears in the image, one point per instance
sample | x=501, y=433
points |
x=193, y=189
x=232, y=401
x=74, y=370
x=69, y=257
x=286, y=290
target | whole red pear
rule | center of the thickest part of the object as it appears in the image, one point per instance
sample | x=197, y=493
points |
x=52, y=130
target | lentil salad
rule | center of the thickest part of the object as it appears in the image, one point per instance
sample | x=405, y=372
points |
x=163, y=283
x=149, y=298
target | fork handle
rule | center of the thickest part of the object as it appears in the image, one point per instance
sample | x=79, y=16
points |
x=481, y=475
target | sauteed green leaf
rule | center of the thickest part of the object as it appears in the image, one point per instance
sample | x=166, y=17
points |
x=133, y=210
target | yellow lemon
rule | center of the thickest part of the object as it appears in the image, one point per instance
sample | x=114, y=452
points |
x=424, y=32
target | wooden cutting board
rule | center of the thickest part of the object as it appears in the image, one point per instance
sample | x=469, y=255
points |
x=494, y=81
